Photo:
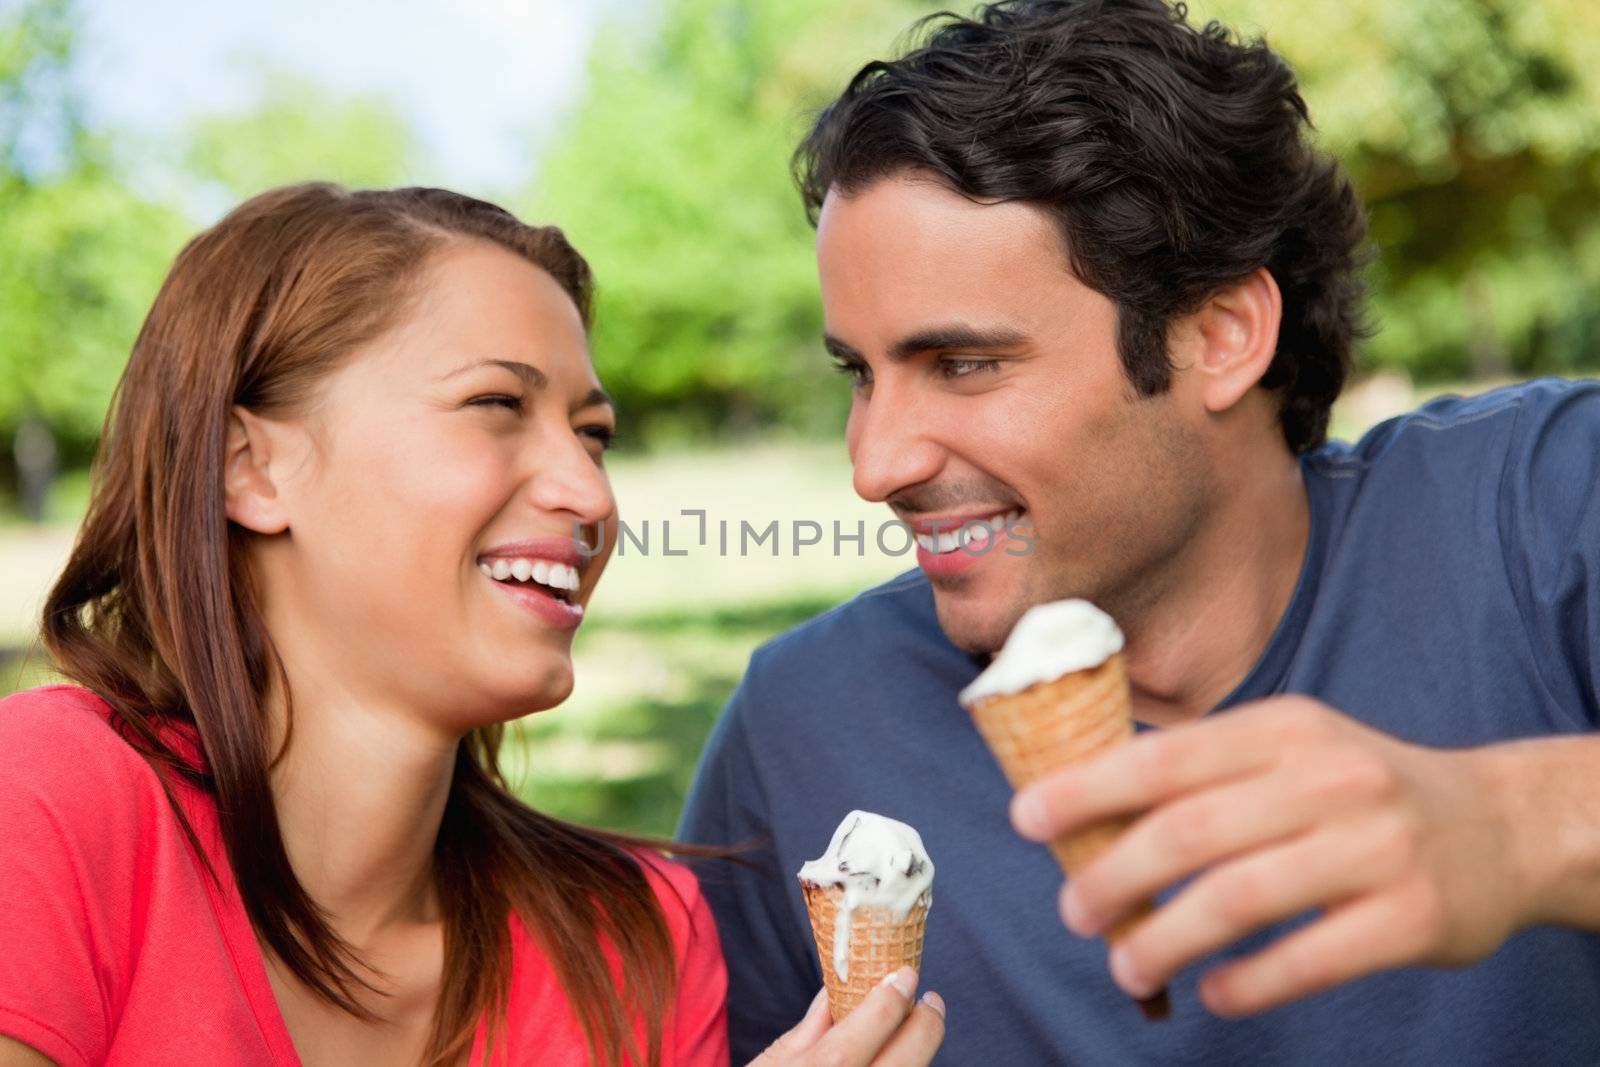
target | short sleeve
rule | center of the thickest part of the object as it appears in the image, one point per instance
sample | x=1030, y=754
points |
x=68, y=791
x=771, y=977
x=698, y=1031
x=1549, y=516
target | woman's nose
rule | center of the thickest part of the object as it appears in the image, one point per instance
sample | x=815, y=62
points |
x=568, y=479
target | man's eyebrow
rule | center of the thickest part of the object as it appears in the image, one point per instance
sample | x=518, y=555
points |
x=535, y=377
x=955, y=336
x=933, y=339
x=841, y=351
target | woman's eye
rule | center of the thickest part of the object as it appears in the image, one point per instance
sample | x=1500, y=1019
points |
x=962, y=368
x=860, y=373
x=497, y=400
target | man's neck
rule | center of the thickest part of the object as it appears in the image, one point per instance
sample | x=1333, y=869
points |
x=1231, y=587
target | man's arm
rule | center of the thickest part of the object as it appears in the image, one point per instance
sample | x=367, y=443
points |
x=1550, y=788
x=771, y=981
x=1413, y=855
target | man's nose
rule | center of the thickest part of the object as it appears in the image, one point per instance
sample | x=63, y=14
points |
x=891, y=443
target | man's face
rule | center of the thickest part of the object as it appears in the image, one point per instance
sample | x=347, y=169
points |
x=988, y=387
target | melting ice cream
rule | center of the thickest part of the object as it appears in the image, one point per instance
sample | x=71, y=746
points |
x=880, y=863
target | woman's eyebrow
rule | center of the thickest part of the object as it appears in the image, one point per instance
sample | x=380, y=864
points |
x=535, y=377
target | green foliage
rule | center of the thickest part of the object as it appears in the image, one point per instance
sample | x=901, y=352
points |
x=83, y=255
x=1471, y=126
x=1472, y=129
x=673, y=179
x=296, y=131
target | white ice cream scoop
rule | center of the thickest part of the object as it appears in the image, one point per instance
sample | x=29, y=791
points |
x=879, y=862
x=1048, y=641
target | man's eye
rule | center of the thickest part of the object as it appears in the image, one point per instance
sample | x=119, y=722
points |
x=497, y=400
x=860, y=373
x=962, y=368
x=604, y=434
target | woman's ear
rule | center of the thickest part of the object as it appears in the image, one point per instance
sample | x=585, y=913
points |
x=1236, y=338
x=253, y=499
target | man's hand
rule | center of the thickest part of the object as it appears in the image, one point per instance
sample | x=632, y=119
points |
x=1281, y=807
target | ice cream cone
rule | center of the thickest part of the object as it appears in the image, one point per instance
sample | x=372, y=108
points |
x=880, y=944
x=1052, y=724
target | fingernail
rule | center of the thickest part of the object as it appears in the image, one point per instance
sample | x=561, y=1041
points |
x=904, y=981
x=1126, y=974
x=934, y=1001
x=1074, y=914
x=1026, y=814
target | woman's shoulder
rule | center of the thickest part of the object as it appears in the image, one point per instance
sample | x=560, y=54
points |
x=677, y=888
x=62, y=760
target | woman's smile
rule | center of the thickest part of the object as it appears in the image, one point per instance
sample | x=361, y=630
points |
x=542, y=576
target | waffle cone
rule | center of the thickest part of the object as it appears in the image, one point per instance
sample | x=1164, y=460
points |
x=880, y=944
x=1056, y=723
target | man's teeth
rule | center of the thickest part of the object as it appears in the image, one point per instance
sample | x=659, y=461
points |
x=974, y=531
x=543, y=571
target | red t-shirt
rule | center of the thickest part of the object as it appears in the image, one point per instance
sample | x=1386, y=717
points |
x=116, y=946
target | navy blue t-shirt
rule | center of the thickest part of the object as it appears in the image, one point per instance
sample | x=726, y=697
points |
x=1450, y=596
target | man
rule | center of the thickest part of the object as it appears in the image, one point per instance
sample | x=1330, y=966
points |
x=1089, y=279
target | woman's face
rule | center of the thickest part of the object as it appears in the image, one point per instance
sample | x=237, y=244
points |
x=439, y=498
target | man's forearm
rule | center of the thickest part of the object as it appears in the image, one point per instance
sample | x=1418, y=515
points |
x=1549, y=789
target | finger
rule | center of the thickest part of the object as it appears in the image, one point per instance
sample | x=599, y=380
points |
x=860, y=1035
x=1149, y=769
x=1367, y=935
x=807, y=1032
x=919, y=1036
x=1182, y=837
x=1238, y=898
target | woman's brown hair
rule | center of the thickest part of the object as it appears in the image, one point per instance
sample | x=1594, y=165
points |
x=156, y=612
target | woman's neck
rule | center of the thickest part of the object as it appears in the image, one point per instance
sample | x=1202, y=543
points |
x=360, y=793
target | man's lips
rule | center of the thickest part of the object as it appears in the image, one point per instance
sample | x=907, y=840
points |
x=934, y=525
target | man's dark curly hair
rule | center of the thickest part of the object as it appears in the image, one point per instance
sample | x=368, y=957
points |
x=1175, y=161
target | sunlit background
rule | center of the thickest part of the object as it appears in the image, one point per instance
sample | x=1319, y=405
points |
x=657, y=132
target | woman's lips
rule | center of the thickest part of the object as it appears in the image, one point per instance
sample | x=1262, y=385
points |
x=542, y=602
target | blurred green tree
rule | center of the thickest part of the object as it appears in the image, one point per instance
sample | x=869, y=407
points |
x=299, y=130
x=1472, y=129
x=673, y=179
x=81, y=256
x=1471, y=126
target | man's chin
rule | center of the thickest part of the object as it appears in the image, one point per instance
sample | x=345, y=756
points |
x=978, y=625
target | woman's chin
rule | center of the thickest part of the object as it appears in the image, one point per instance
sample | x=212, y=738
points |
x=540, y=688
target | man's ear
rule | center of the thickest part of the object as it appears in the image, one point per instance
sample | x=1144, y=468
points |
x=1235, y=337
x=252, y=495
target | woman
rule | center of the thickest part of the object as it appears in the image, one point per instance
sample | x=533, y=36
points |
x=336, y=542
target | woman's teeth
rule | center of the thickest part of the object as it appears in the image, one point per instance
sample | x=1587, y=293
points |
x=974, y=531
x=545, y=572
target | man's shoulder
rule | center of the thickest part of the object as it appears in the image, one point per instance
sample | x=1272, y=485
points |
x=1466, y=431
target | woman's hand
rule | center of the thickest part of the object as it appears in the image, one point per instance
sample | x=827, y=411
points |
x=888, y=1029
